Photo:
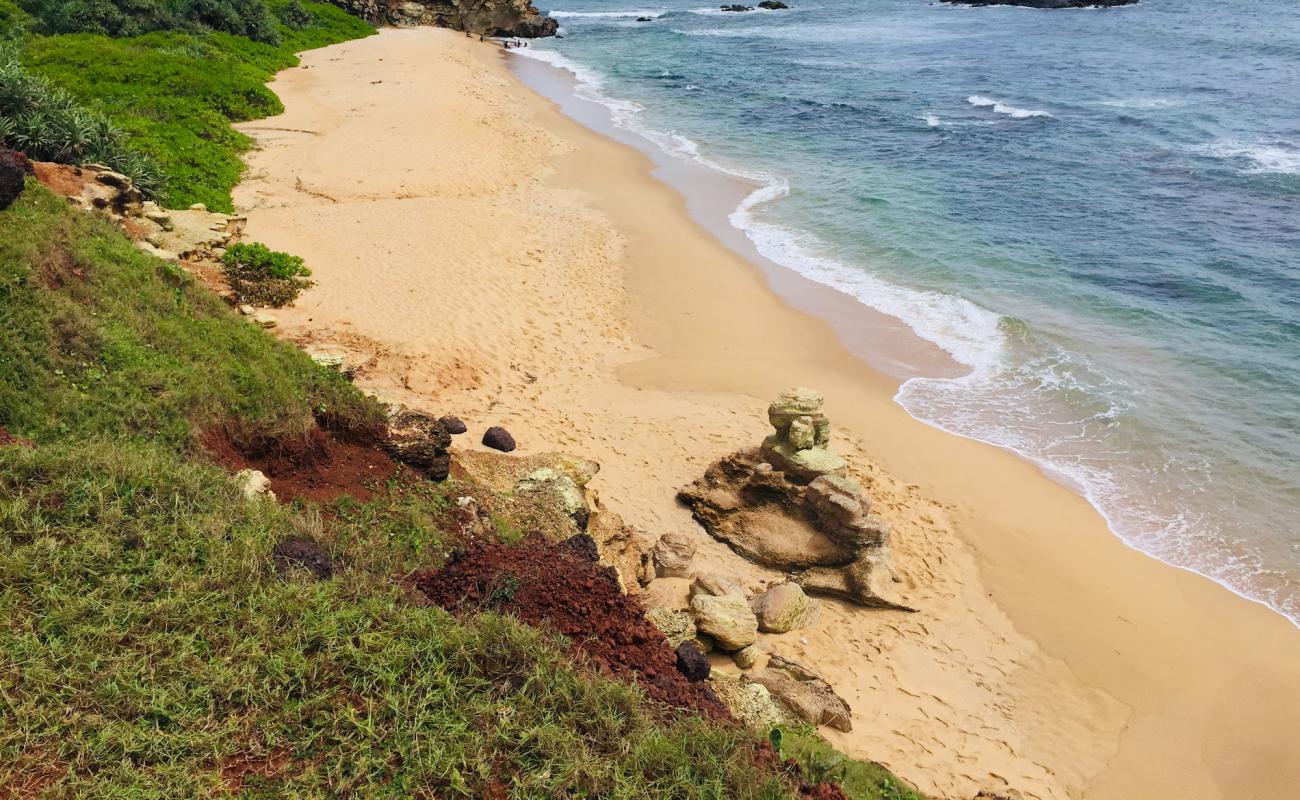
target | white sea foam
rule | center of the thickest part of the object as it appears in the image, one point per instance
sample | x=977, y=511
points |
x=932, y=120
x=999, y=107
x=655, y=14
x=1262, y=157
x=1143, y=103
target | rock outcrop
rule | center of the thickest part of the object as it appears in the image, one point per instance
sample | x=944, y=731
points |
x=420, y=441
x=789, y=505
x=1045, y=3
x=805, y=693
x=480, y=17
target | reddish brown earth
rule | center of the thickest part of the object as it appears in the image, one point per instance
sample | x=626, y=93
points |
x=7, y=438
x=562, y=587
x=60, y=178
x=319, y=467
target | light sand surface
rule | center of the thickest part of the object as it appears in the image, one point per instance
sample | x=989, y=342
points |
x=480, y=254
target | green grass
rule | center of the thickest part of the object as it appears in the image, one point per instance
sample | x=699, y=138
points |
x=174, y=94
x=861, y=780
x=97, y=338
x=147, y=642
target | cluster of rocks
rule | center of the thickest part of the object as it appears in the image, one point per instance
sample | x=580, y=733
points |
x=1045, y=3
x=719, y=617
x=789, y=505
x=513, y=18
x=421, y=441
x=195, y=235
x=770, y=5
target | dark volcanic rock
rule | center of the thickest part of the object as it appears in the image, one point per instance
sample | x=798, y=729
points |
x=692, y=662
x=736, y=7
x=453, y=425
x=306, y=554
x=499, y=438
x=645, y=19
x=14, y=169
x=419, y=441
x=1045, y=3
x=772, y=5
x=531, y=28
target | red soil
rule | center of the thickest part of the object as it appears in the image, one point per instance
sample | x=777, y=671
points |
x=562, y=587
x=319, y=467
x=7, y=438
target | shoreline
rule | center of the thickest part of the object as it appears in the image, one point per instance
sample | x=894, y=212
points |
x=1098, y=672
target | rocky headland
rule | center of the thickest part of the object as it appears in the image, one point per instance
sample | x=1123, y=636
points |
x=515, y=18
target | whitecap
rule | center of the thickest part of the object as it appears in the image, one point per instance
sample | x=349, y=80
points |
x=1279, y=157
x=607, y=14
x=932, y=120
x=999, y=107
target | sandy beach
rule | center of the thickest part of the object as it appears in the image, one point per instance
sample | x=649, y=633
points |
x=481, y=254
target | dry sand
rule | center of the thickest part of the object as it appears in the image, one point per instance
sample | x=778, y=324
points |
x=479, y=253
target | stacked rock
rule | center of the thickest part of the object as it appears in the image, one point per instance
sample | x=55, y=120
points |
x=798, y=448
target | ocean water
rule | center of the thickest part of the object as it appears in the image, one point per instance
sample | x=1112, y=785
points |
x=1097, y=212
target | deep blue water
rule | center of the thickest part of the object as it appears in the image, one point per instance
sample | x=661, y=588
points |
x=1097, y=211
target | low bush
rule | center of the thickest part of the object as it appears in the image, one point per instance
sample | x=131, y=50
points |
x=251, y=18
x=258, y=274
x=47, y=123
x=14, y=21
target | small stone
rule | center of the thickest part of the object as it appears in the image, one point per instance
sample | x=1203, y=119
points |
x=247, y=310
x=691, y=662
x=747, y=657
x=265, y=319
x=329, y=360
x=672, y=555
x=802, y=435
x=198, y=207
x=710, y=583
x=498, y=438
x=115, y=179
x=453, y=425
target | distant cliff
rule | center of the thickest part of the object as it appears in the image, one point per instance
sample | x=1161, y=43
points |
x=490, y=17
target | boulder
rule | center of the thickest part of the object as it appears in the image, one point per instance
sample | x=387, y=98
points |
x=692, y=663
x=419, y=441
x=727, y=618
x=840, y=508
x=736, y=8
x=672, y=555
x=676, y=625
x=805, y=693
x=784, y=607
x=498, y=438
x=772, y=5
x=453, y=425
x=747, y=657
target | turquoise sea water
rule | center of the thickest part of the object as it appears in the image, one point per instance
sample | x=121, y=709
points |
x=1096, y=211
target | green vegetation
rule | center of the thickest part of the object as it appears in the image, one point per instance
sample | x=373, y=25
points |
x=258, y=274
x=98, y=339
x=14, y=21
x=251, y=18
x=174, y=94
x=861, y=780
x=46, y=123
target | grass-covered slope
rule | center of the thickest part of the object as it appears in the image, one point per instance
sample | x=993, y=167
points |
x=174, y=93
x=150, y=648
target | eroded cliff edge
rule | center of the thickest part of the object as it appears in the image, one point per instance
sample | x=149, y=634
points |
x=484, y=17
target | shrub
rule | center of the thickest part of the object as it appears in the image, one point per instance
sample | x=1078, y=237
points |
x=258, y=274
x=294, y=16
x=249, y=18
x=13, y=20
x=46, y=123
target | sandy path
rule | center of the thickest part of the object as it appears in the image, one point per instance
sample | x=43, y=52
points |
x=480, y=254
